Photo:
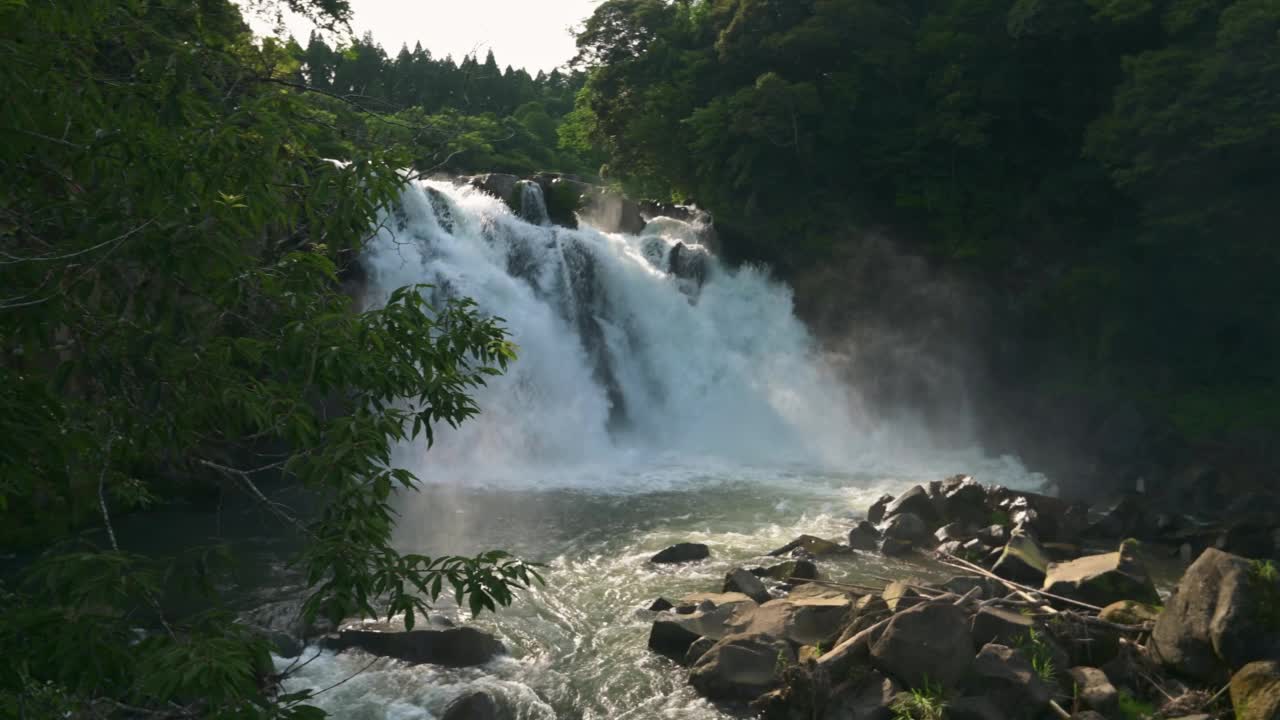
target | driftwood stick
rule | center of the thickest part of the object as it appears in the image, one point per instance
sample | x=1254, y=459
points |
x=1058, y=710
x=1017, y=587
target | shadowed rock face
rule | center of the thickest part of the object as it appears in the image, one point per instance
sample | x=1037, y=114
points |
x=454, y=647
x=742, y=667
x=1222, y=616
x=1103, y=579
x=926, y=643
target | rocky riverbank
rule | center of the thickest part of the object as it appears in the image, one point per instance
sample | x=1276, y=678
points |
x=1052, y=613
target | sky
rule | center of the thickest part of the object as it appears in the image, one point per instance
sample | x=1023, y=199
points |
x=533, y=34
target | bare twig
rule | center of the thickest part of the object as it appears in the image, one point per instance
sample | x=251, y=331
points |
x=102, y=493
x=274, y=507
x=1017, y=587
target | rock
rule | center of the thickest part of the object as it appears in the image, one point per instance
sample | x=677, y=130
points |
x=952, y=532
x=811, y=546
x=660, y=605
x=1022, y=561
x=868, y=698
x=499, y=185
x=966, y=503
x=993, y=535
x=1128, y=612
x=848, y=656
x=477, y=705
x=808, y=591
x=454, y=647
x=903, y=533
x=972, y=708
x=1224, y=615
x=804, y=621
x=1003, y=627
x=867, y=611
x=284, y=644
x=927, y=642
x=875, y=513
x=713, y=613
x=1119, y=519
x=952, y=547
x=1249, y=538
x=741, y=581
x=1255, y=691
x=697, y=650
x=1094, y=689
x=689, y=263
x=672, y=638
x=899, y=596
x=741, y=667
x=962, y=584
x=915, y=501
x=682, y=553
x=611, y=212
x=1103, y=579
x=1093, y=715
x=800, y=569
x=1004, y=675
x=864, y=536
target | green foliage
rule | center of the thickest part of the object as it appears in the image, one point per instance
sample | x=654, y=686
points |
x=1040, y=654
x=1264, y=577
x=1133, y=708
x=177, y=218
x=924, y=703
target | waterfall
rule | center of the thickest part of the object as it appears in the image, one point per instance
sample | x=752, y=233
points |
x=627, y=343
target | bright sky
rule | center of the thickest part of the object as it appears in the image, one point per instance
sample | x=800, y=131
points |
x=529, y=33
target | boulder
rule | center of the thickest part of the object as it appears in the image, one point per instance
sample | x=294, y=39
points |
x=810, y=546
x=1022, y=560
x=741, y=581
x=1128, y=612
x=799, y=569
x=1006, y=676
x=899, y=596
x=1125, y=517
x=661, y=604
x=712, y=613
x=875, y=513
x=672, y=638
x=950, y=532
x=994, y=535
x=741, y=667
x=864, y=536
x=682, y=553
x=454, y=647
x=1094, y=690
x=1003, y=627
x=962, y=584
x=1103, y=579
x=851, y=655
x=927, y=642
x=476, y=705
x=499, y=185
x=611, y=212
x=1251, y=538
x=903, y=533
x=915, y=501
x=952, y=547
x=804, y=621
x=966, y=502
x=1224, y=615
x=689, y=263
x=1255, y=691
x=697, y=650
x=867, y=698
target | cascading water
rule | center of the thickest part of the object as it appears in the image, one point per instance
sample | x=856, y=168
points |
x=658, y=396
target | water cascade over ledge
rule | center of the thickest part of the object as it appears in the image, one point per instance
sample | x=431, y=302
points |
x=659, y=396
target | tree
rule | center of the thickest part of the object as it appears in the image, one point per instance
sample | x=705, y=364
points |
x=175, y=232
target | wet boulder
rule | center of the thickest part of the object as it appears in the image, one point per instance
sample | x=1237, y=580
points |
x=1224, y=614
x=915, y=501
x=1022, y=560
x=903, y=533
x=1255, y=691
x=454, y=647
x=660, y=604
x=875, y=513
x=791, y=570
x=682, y=553
x=697, y=650
x=477, y=705
x=867, y=698
x=965, y=502
x=864, y=536
x=867, y=611
x=1103, y=579
x=499, y=185
x=929, y=642
x=671, y=638
x=741, y=581
x=741, y=667
x=811, y=546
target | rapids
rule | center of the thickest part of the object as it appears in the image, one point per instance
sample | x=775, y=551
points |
x=659, y=396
